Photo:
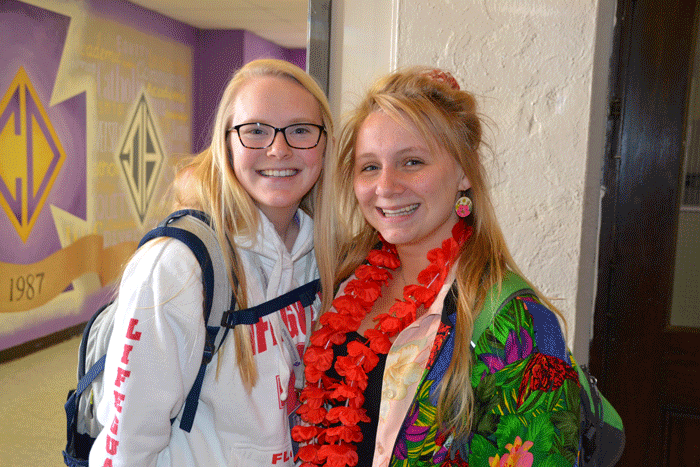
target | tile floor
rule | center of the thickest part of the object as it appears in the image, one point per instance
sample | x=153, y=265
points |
x=33, y=390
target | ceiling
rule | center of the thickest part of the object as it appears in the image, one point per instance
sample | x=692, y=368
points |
x=283, y=22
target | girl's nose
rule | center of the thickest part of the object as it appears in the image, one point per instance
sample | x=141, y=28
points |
x=388, y=183
x=279, y=147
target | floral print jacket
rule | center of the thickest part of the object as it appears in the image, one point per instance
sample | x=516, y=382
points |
x=527, y=403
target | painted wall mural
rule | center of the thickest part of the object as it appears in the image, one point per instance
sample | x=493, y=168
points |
x=93, y=115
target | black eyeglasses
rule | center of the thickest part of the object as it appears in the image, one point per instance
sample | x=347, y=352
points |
x=262, y=135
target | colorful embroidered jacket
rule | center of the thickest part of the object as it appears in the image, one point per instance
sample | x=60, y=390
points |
x=526, y=411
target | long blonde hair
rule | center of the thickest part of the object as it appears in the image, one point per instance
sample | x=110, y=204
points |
x=216, y=190
x=446, y=117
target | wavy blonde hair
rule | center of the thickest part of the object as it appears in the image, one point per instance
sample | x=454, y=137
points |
x=213, y=187
x=446, y=117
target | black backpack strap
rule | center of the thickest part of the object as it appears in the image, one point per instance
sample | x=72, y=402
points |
x=306, y=294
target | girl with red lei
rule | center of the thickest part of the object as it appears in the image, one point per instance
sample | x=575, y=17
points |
x=391, y=377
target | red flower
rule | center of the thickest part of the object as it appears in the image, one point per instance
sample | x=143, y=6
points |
x=313, y=374
x=461, y=232
x=347, y=416
x=340, y=322
x=349, y=434
x=309, y=453
x=348, y=367
x=319, y=357
x=378, y=341
x=313, y=416
x=439, y=255
x=383, y=258
x=338, y=455
x=366, y=291
x=404, y=309
x=301, y=433
x=427, y=275
x=348, y=306
x=372, y=273
x=389, y=324
x=420, y=294
x=370, y=359
x=313, y=396
x=322, y=337
x=352, y=394
x=440, y=337
x=544, y=373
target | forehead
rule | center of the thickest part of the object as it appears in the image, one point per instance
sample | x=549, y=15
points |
x=275, y=100
x=381, y=131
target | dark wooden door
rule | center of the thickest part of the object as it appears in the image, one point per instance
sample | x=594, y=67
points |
x=648, y=367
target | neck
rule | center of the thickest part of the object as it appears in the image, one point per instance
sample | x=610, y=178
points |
x=414, y=259
x=412, y=263
x=285, y=225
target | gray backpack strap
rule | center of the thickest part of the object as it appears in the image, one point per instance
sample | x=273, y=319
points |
x=222, y=298
x=192, y=228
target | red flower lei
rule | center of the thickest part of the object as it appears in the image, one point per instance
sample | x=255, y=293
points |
x=331, y=433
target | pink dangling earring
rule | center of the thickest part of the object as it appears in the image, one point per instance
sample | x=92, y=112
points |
x=463, y=207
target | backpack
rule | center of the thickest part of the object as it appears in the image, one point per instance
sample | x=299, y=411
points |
x=192, y=228
x=602, y=436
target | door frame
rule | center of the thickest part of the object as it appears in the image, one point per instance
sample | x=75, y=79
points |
x=632, y=340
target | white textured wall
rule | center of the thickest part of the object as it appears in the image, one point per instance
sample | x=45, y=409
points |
x=531, y=64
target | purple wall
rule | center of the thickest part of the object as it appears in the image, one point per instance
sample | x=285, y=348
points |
x=218, y=55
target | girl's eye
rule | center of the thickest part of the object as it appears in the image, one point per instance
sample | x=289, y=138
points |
x=368, y=168
x=412, y=162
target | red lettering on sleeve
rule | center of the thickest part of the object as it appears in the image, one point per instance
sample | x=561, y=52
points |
x=130, y=334
x=115, y=426
x=125, y=356
x=260, y=328
x=276, y=457
x=291, y=319
x=112, y=445
x=279, y=391
x=118, y=399
x=108, y=463
x=122, y=374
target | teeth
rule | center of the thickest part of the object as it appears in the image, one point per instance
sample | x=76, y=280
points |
x=400, y=212
x=278, y=173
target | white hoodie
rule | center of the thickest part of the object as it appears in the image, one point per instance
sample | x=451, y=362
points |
x=156, y=350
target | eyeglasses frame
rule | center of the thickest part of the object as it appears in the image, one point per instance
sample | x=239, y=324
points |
x=277, y=130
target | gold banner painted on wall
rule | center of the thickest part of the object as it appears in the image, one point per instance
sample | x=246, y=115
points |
x=28, y=286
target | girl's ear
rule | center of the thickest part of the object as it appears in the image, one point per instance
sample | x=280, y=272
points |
x=464, y=183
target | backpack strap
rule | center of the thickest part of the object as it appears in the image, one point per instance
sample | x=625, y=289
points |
x=193, y=229
x=306, y=294
x=496, y=298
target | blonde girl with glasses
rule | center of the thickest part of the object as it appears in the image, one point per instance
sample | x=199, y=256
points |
x=257, y=184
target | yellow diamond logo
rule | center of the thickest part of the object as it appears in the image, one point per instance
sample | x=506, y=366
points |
x=31, y=154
